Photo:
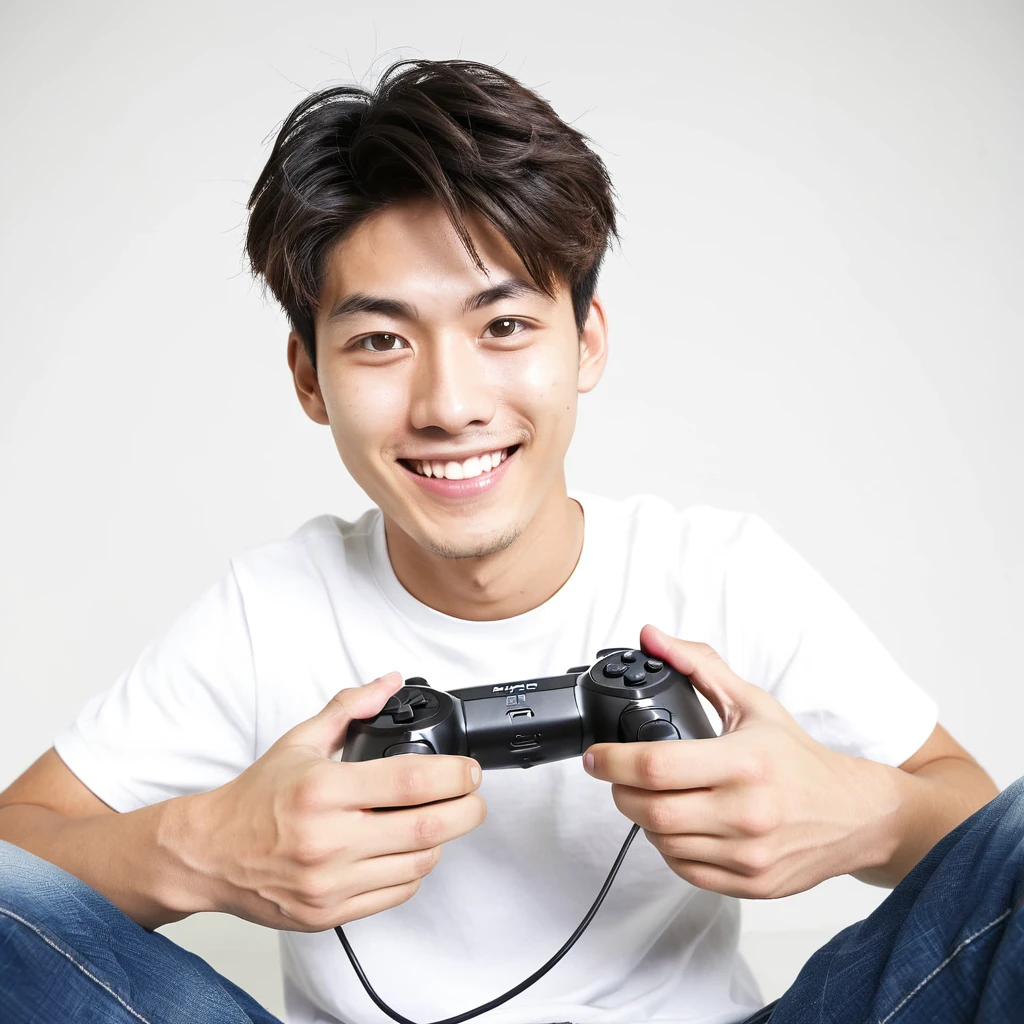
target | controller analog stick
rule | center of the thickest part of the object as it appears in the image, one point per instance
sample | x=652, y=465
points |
x=416, y=747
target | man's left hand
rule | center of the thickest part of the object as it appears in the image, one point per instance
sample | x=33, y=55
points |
x=761, y=811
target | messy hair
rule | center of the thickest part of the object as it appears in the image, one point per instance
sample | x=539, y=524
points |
x=463, y=134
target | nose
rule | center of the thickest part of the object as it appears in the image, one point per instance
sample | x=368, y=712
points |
x=450, y=387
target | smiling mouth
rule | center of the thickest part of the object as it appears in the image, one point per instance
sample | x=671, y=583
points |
x=465, y=469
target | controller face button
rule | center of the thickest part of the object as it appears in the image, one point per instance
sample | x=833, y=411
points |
x=629, y=656
x=658, y=730
x=653, y=665
x=636, y=677
x=613, y=671
x=416, y=747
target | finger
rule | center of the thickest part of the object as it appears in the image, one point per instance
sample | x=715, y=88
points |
x=668, y=764
x=712, y=877
x=407, y=780
x=320, y=915
x=728, y=693
x=369, y=903
x=695, y=811
x=747, y=859
x=388, y=870
x=417, y=828
x=325, y=731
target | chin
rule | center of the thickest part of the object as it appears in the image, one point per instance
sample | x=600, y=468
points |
x=472, y=547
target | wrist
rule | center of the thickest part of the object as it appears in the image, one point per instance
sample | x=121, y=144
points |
x=877, y=815
x=182, y=839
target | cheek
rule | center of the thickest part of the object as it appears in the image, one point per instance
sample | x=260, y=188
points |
x=542, y=380
x=363, y=409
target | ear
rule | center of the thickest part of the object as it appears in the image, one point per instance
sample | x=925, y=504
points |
x=593, y=346
x=307, y=387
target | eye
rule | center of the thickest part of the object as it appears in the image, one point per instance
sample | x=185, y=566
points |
x=505, y=327
x=380, y=343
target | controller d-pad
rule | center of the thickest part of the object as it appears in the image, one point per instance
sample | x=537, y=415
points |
x=412, y=696
x=402, y=707
x=613, y=670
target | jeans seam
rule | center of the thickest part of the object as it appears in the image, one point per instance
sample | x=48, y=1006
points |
x=92, y=977
x=945, y=963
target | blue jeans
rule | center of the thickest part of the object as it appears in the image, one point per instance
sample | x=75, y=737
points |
x=946, y=945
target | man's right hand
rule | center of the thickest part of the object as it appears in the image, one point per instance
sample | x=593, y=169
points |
x=302, y=842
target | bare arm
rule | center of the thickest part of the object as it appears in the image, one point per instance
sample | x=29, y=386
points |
x=297, y=841
x=130, y=858
x=927, y=796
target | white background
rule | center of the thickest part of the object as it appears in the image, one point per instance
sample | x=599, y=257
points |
x=816, y=313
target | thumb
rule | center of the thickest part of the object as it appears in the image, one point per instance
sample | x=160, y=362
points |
x=325, y=731
x=733, y=698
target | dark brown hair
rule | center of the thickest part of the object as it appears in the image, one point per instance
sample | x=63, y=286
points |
x=461, y=133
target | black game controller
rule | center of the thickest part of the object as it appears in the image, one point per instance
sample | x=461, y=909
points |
x=625, y=696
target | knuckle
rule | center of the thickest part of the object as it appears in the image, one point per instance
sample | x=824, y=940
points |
x=667, y=846
x=654, y=767
x=308, y=850
x=661, y=817
x=412, y=782
x=424, y=861
x=758, y=819
x=309, y=794
x=755, y=860
x=427, y=829
x=752, y=767
x=314, y=892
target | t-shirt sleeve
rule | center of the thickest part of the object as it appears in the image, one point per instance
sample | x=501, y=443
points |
x=794, y=635
x=181, y=719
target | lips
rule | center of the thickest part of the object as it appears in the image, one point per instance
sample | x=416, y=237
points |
x=477, y=482
x=441, y=468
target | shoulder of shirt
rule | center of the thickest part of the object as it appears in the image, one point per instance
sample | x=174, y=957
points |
x=303, y=544
x=702, y=524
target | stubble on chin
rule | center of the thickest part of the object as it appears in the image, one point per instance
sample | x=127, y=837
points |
x=476, y=548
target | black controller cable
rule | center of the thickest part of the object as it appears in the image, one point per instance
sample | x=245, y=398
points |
x=523, y=985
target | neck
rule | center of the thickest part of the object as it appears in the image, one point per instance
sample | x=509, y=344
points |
x=500, y=585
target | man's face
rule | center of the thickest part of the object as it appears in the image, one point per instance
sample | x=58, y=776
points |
x=451, y=394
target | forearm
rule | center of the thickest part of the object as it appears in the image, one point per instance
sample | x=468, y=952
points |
x=917, y=810
x=134, y=859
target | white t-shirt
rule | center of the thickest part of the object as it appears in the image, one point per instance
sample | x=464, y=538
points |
x=294, y=621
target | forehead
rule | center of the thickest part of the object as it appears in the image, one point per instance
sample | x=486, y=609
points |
x=411, y=250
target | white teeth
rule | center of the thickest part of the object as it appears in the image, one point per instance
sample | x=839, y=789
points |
x=468, y=468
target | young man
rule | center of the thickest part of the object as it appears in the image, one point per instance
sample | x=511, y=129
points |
x=436, y=247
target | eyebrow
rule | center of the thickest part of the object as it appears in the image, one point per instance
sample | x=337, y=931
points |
x=361, y=302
